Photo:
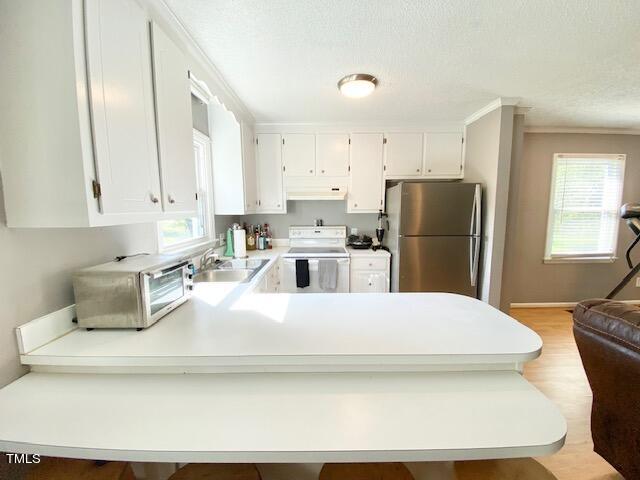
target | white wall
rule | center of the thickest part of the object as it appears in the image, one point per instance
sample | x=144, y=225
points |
x=35, y=272
x=488, y=143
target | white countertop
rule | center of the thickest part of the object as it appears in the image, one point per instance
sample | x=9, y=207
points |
x=279, y=417
x=228, y=327
x=356, y=252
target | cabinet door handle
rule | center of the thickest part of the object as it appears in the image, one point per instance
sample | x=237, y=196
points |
x=154, y=199
x=171, y=199
x=418, y=170
x=322, y=171
x=310, y=171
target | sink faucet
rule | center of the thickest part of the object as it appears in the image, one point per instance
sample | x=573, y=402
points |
x=208, y=257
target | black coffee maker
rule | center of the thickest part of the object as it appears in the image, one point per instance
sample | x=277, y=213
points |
x=382, y=223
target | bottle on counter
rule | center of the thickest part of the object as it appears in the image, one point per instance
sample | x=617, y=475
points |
x=269, y=240
x=262, y=239
x=251, y=238
x=257, y=237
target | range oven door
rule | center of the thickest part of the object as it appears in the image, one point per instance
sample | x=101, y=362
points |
x=289, y=276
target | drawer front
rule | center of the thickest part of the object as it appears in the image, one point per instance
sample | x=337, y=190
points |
x=369, y=263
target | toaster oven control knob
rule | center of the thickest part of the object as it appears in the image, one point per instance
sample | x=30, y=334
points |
x=190, y=276
x=190, y=287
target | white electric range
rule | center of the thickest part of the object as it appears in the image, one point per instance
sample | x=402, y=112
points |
x=314, y=244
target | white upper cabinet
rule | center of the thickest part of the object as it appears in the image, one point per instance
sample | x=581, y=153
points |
x=122, y=107
x=173, y=117
x=230, y=141
x=269, y=173
x=299, y=154
x=366, y=182
x=249, y=163
x=403, y=154
x=443, y=155
x=332, y=154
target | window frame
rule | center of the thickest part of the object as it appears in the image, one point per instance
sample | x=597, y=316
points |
x=208, y=238
x=581, y=257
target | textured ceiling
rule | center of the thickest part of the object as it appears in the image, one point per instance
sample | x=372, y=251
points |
x=576, y=62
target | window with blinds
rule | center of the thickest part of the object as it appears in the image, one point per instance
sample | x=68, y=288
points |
x=586, y=191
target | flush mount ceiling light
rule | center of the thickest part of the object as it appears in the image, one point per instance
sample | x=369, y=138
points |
x=357, y=85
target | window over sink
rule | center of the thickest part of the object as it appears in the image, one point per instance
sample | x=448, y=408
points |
x=188, y=232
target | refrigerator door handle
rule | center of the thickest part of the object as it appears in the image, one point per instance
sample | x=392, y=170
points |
x=475, y=212
x=474, y=258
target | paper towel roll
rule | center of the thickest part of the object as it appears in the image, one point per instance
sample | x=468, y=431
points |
x=239, y=244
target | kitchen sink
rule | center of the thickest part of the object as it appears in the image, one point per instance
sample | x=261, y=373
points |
x=223, y=276
x=243, y=263
x=236, y=270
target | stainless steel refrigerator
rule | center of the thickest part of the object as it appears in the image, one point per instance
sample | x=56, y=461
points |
x=434, y=236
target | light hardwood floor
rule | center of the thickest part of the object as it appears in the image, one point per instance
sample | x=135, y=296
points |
x=558, y=373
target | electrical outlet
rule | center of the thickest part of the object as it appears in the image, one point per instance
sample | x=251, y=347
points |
x=354, y=231
x=637, y=281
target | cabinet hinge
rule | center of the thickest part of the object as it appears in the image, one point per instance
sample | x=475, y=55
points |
x=97, y=189
x=384, y=140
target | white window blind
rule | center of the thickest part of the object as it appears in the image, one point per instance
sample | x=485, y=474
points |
x=586, y=191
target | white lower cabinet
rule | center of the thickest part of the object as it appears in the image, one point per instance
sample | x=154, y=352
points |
x=271, y=281
x=370, y=272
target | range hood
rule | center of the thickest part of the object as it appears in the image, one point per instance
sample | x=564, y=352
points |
x=316, y=193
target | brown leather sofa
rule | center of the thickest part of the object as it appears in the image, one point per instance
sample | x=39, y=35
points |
x=608, y=337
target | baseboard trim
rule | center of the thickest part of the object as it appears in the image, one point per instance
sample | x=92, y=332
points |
x=560, y=304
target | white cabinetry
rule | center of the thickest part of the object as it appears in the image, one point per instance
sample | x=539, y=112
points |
x=271, y=281
x=173, y=117
x=269, y=173
x=249, y=170
x=121, y=101
x=403, y=154
x=369, y=271
x=443, y=155
x=298, y=155
x=332, y=154
x=366, y=182
x=95, y=147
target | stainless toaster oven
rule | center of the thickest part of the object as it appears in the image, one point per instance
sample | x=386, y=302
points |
x=134, y=292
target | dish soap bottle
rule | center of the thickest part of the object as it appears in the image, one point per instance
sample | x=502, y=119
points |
x=228, y=252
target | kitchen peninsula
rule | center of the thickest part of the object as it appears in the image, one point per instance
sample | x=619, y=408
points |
x=286, y=378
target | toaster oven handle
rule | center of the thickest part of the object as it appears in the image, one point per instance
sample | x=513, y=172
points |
x=159, y=273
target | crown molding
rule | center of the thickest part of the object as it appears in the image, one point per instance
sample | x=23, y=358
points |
x=230, y=98
x=583, y=130
x=355, y=127
x=497, y=103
